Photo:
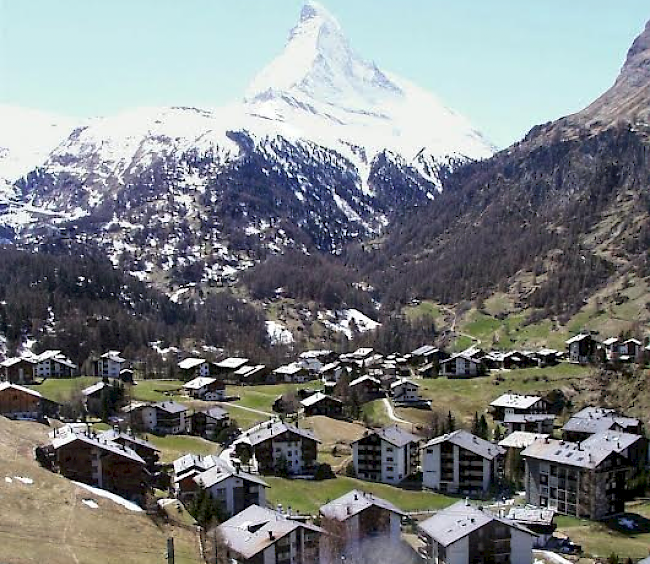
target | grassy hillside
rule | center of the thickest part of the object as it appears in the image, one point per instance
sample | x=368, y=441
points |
x=46, y=521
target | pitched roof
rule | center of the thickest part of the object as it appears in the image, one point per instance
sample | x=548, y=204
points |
x=289, y=369
x=353, y=502
x=232, y=363
x=470, y=442
x=464, y=356
x=611, y=341
x=220, y=472
x=578, y=338
x=214, y=412
x=97, y=441
x=366, y=378
x=6, y=386
x=521, y=439
x=528, y=417
x=8, y=362
x=189, y=363
x=97, y=387
x=425, y=350
x=170, y=406
x=198, y=383
x=613, y=440
x=515, y=401
x=459, y=520
x=394, y=435
x=114, y=356
x=568, y=453
x=401, y=381
x=112, y=435
x=270, y=429
x=317, y=398
x=256, y=528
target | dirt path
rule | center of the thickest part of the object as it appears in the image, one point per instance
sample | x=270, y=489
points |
x=391, y=413
x=257, y=411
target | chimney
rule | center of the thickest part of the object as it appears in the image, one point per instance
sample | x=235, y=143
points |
x=356, y=496
x=270, y=535
x=467, y=502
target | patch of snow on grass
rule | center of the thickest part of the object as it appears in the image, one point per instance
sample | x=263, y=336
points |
x=90, y=503
x=278, y=333
x=22, y=480
x=344, y=321
x=109, y=495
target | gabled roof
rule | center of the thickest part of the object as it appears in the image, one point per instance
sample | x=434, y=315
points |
x=189, y=363
x=521, y=439
x=515, y=401
x=232, y=363
x=470, y=442
x=528, y=417
x=97, y=441
x=394, y=435
x=578, y=338
x=112, y=435
x=362, y=379
x=7, y=386
x=170, y=406
x=256, y=528
x=568, y=453
x=612, y=440
x=220, y=472
x=317, y=398
x=198, y=383
x=8, y=362
x=248, y=370
x=271, y=429
x=461, y=519
x=214, y=412
x=402, y=381
x=290, y=369
x=460, y=355
x=354, y=502
x=97, y=387
x=611, y=341
x=114, y=356
x=425, y=350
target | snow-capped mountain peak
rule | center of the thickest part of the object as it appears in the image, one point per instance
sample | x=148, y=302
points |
x=319, y=63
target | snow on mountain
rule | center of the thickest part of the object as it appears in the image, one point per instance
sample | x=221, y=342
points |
x=27, y=137
x=278, y=333
x=347, y=321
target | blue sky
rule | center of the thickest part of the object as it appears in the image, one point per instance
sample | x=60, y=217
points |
x=506, y=64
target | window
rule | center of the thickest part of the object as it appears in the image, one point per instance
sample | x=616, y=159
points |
x=543, y=479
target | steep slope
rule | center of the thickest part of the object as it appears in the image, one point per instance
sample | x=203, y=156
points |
x=569, y=207
x=325, y=149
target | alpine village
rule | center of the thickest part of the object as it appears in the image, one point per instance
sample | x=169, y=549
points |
x=223, y=340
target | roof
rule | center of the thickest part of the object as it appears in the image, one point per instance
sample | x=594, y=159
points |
x=256, y=528
x=198, y=383
x=220, y=472
x=531, y=515
x=469, y=442
x=515, y=401
x=361, y=379
x=6, y=386
x=289, y=369
x=425, y=350
x=170, y=406
x=114, y=356
x=634, y=341
x=521, y=439
x=214, y=412
x=270, y=429
x=460, y=355
x=315, y=354
x=99, y=442
x=578, y=338
x=611, y=341
x=190, y=363
x=402, y=381
x=461, y=519
x=568, y=453
x=616, y=441
x=97, y=387
x=394, y=435
x=316, y=398
x=247, y=370
x=8, y=362
x=598, y=419
x=112, y=435
x=354, y=502
x=232, y=363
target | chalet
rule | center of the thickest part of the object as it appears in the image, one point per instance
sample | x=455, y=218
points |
x=18, y=402
x=426, y=354
x=18, y=370
x=466, y=534
x=250, y=374
x=332, y=372
x=208, y=423
x=389, y=455
x=508, y=360
x=630, y=349
x=529, y=422
x=358, y=358
x=259, y=535
x=363, y=517
x=225, y=368
x=511, y=404
x=405, y=391
x=293, y=372
x=127, y=375
x=311, y=364
x=205, y=388
x=323, y=356
x=109, y=365
x=321, y=404
x=101, y=463
x=185, y=469
x=192, y=368
x=612, y=348
x=233, y=489
x=278, y=447
x=538, y=520
x=592, y=420
x=53, y=364
x=164, y=418
x=547, y=357
x=575, y=479
x=462, y=366
x=366, y=388
x=94, y=396
x=143, y=448
x=460, y=462
x=582, y=348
